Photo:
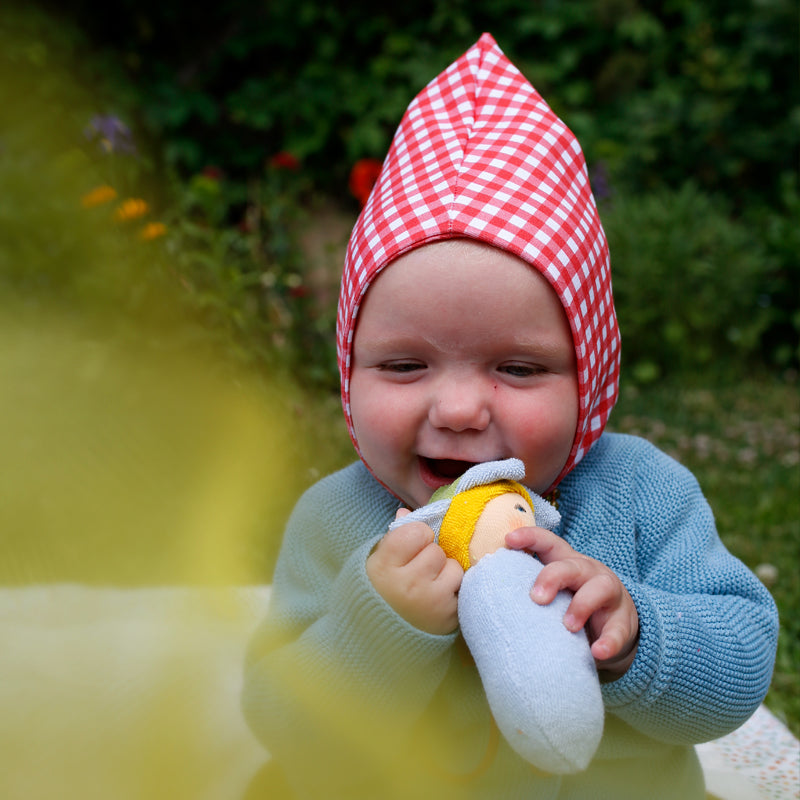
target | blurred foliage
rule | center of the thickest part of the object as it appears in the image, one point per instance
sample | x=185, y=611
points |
x=87, y=221
x=153, y=430
x=248, y=281
x=129, y=465
x=681, y=250
x=659, y=91
x=688, y=114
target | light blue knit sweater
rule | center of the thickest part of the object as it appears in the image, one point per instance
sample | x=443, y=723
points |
x=332, y=653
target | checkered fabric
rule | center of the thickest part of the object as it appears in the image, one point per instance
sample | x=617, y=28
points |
x=479, y=154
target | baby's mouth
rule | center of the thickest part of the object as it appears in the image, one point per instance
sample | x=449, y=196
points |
x=438, y=472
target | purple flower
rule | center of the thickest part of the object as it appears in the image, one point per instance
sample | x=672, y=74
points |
x=599, y=179
x=111, y=133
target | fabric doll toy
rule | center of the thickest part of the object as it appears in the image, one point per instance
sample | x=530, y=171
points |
x=540, y=678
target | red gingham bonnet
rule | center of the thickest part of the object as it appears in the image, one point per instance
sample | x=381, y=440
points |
x=479, y=154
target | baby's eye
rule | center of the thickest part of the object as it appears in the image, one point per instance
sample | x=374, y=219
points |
x=401, y=367
x=520, y=370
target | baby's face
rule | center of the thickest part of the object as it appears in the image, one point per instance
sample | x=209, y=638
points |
x=462, y=354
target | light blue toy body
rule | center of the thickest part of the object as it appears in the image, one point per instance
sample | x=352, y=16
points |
x=540, y=678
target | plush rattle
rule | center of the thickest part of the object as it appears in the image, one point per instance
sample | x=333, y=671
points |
x=540, y=678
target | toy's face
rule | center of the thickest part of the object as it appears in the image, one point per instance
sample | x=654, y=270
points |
x=502, y=514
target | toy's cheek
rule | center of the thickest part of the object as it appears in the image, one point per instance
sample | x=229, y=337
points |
x=487, y=539
x=502, y=514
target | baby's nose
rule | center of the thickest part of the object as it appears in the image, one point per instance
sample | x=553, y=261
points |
x=459, y=407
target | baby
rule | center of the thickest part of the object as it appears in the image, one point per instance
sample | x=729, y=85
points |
x=476, y=323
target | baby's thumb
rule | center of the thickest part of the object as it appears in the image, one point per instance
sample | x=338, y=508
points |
x=402, y=512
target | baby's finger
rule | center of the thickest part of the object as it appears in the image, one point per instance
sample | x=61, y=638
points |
x=615, y=650
x=569, y=573
x=451, y=575
x=612, y=641
x=402, y=544
x=429, y=562
x=544, y=543
x=601, y=591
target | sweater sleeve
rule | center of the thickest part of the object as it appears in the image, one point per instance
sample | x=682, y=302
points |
x=708, y=627
x=334, y=670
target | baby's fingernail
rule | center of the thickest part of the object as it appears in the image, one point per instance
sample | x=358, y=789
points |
x=570, y=622
x=538, y=594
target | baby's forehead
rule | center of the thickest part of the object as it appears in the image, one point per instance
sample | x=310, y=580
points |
x=453, y=248
x=455, y=261
x=462, y=289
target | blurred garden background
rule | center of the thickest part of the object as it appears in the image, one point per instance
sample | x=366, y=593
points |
x=177, y=191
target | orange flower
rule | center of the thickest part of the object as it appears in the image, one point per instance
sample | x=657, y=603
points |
x=98, y=196
x=152, y=231
x=362, y=178
x=132, y=208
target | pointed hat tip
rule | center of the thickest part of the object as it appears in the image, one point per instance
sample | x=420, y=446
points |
x=487, y=42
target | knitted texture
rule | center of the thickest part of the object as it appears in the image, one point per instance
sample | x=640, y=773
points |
x=479, y=154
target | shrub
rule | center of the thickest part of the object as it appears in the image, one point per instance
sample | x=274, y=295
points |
x=85, y=225
x=654, y=94
x=779, y=291
x=686, y=282
x=659, y=91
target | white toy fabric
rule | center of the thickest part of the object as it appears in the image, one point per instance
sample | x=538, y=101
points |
x=540, y=678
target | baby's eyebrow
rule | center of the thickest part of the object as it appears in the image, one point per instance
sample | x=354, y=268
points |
x=397, y=344
x=505, y=348
x=394, y=341
x=547, y=347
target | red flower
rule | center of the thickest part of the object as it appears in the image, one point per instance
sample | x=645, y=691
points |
x=285, y=160
x=362, y=178
x=213, y=173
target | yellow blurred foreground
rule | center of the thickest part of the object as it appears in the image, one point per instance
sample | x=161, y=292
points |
x=125, y=694
x=142, y=492
x=133, y=465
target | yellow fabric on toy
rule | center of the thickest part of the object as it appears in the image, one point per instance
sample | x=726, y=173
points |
x=465, y=509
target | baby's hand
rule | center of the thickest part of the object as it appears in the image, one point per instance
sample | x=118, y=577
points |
x=416, y=578
x=599, y=597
